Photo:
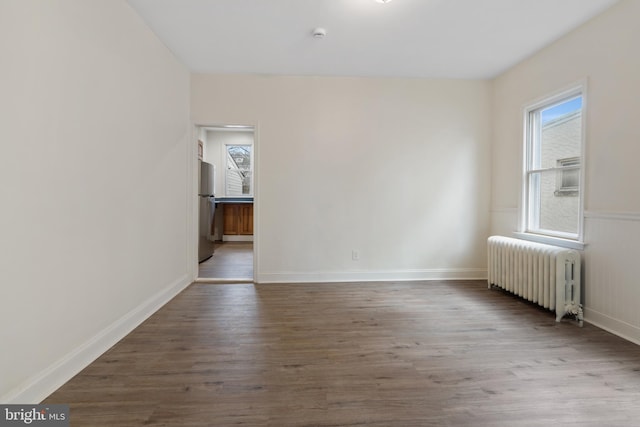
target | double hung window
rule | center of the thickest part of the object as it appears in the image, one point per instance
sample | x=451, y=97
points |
x=239, y=170
x=553, y=166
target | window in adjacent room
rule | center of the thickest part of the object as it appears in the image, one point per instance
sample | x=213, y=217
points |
x=553, y=183
x=239, y=170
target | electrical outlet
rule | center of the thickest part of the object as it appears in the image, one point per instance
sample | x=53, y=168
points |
x=355, y=255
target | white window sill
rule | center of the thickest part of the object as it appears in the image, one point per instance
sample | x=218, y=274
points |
x=548, y=240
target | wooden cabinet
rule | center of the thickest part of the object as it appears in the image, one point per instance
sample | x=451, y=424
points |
x=238, y=218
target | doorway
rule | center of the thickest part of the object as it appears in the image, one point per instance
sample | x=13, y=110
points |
x=230, y=152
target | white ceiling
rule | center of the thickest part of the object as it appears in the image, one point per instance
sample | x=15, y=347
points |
x=403, y=38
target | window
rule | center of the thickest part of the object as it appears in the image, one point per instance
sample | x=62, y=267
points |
x=239, y=170
x=568, y=177
x=553, y=184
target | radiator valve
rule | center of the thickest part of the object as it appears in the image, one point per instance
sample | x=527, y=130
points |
x=576, y=310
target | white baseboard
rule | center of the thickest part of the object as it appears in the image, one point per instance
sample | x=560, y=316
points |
x=615, y=326
x=375, y=276
x=42, y=384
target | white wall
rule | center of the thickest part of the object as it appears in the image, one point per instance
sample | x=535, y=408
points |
x=397, y=169
x=93, y=180
x=605, y=51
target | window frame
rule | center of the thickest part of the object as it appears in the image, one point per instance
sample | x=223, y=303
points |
x=531, y=136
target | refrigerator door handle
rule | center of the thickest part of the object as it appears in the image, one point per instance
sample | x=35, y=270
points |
x=212, y=212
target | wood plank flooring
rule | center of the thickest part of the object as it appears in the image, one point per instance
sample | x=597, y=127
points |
x=230, y=260
x=358, y=354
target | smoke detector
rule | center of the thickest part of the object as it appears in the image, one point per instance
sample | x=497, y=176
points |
x=319, y=33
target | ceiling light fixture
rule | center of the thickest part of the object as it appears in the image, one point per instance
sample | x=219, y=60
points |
x=319, y=33
x=383, y=1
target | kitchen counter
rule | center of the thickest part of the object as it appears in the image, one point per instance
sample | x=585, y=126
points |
x=221, y=200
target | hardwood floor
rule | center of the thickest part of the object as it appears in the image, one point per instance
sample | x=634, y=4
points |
x=358, y=354
x=230, y=260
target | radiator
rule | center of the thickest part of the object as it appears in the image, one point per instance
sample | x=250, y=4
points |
x=543, y=274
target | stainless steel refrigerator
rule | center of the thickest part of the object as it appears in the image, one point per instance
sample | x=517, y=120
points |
x=207, y=210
